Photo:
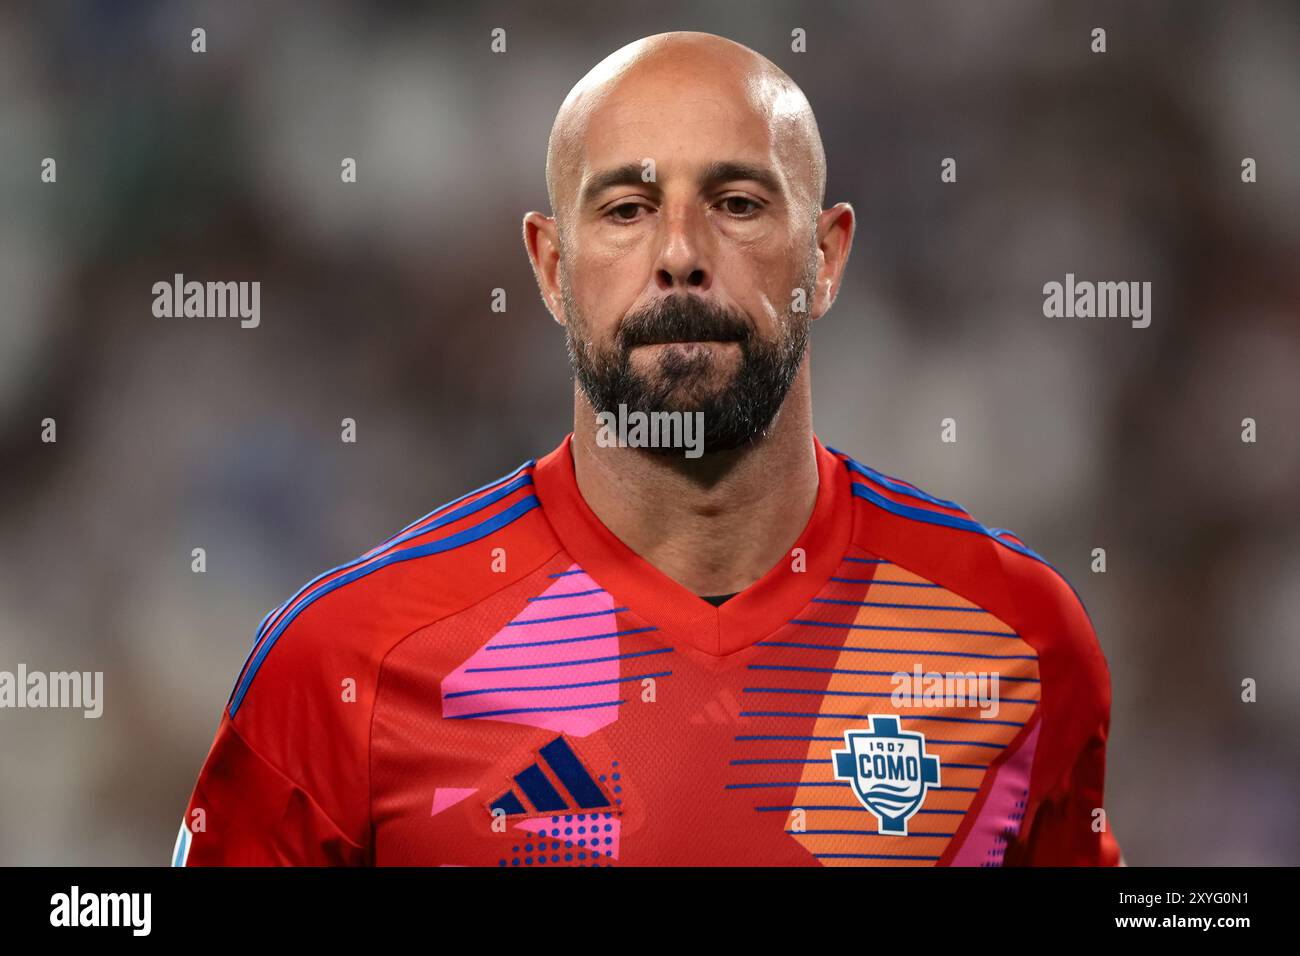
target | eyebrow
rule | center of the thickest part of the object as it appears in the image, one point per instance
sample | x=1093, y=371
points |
x=715, y=174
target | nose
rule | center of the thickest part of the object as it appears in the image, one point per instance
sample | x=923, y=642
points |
x=682, y=263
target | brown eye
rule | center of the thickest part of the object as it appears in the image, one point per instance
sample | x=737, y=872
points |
x=747, y=205
x=629, y=207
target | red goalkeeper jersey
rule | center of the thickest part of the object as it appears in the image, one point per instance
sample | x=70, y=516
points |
x=505, y=683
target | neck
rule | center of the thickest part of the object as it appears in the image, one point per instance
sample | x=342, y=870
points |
x=714, y=524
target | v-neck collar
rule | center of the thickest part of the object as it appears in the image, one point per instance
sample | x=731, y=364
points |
x=681, y=616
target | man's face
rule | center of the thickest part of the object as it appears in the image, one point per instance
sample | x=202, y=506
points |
x=680, y=293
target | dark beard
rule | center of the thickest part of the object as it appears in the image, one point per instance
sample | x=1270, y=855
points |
x=734, y=415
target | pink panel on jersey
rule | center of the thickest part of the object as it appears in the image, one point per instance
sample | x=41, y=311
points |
x=546, y=691
x=445, y=797
x=1000, y=817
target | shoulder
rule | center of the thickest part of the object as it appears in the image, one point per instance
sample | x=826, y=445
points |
x=342, y=622
x=992, y=567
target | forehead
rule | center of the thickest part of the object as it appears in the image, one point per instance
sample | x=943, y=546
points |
x=681, y=119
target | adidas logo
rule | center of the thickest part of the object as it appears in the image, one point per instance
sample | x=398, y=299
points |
x=557, y=782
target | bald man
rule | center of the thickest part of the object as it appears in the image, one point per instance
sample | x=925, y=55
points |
x=691, y=634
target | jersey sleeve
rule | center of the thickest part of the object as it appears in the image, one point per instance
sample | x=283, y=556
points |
x=286, y=780
x=1067, y=829
x=246, y=812
x=1067, y=824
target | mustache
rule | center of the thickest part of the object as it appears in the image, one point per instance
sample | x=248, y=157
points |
x=685, y=319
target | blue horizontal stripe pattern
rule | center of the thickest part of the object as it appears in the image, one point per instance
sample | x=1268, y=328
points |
x=586, y=660
x=568, y=640
x=545, y=687
x=897, y=628
x=895, y=650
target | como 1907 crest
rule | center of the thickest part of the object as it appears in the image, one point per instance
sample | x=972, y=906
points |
x=888, y=769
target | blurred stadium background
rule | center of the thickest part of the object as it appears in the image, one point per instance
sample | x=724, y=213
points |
x=175, y=434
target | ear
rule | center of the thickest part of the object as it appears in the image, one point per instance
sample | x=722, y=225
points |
x=542, y=243
x=834, y=240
